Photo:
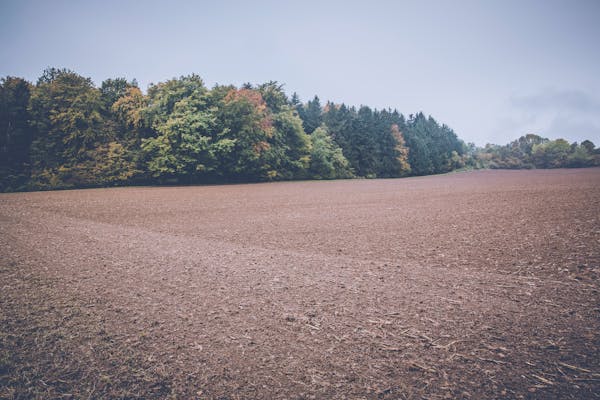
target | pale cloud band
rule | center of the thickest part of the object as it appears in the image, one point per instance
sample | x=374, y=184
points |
x=570, y=114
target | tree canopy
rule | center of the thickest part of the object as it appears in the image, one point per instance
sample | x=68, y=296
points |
x=533, y=151
x=64, y=131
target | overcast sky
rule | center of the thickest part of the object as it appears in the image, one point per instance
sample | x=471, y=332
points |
x=491, y=70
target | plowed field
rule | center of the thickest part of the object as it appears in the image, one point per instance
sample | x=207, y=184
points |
x=470, y=285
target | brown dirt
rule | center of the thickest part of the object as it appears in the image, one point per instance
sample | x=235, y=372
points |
x=471, y=285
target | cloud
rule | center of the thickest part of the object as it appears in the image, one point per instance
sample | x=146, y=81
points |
x=551, y=99
x=515, y=121
x=553, y=113
x=511, y=126
x=573, y=129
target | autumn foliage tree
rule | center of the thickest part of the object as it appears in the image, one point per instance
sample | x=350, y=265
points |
x=403, y=166
x=246, y=128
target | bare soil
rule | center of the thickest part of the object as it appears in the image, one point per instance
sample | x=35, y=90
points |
x=471, y=285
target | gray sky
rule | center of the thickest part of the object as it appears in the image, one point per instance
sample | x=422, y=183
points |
x=491, y=70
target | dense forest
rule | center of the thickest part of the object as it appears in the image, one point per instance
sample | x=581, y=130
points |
x=65, y=132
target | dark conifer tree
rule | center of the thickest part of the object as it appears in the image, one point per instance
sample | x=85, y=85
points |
x=15, y=133
x=311, y=115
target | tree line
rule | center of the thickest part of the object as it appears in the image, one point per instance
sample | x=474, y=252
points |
x=533, y=151
x=64, y=132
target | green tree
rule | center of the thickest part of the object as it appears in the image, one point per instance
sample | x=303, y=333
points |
x=342, y=125
x=112, y=90
x=431, y=145
x=273, y=95
x=589, y=146
x=107, y=164
x=15, y=133
x=551, y=154
x=518, y=154
x=580, y=156
x=295, y=101
x=311, y=115
x=327, y=158
x=179, y=112
x=243, y=141
x=128, y=110
x=418, y=141
x=66, y=113
x=288, y=156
